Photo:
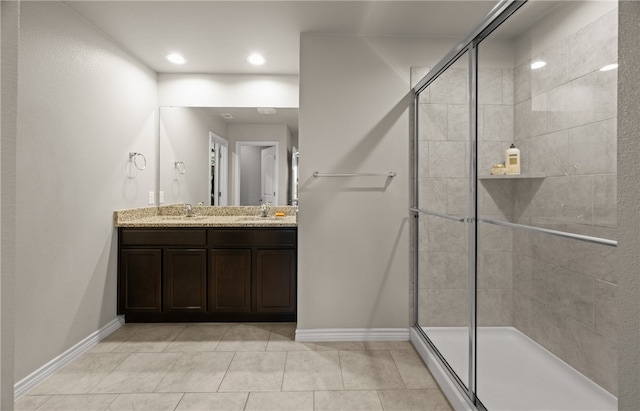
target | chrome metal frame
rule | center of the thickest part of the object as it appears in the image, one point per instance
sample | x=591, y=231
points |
x=580, y=237
x=390, y=174
x=473, y=211
x=433, y=213
x=416, y=202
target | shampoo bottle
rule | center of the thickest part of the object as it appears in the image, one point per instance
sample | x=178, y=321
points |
x=512, y=160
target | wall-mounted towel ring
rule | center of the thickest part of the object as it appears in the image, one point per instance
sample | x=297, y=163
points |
x=138, y=160
x=179, y=165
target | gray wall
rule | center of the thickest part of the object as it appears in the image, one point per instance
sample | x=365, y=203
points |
x=628, y=252
x=227, y=90
x=9, y=34
x=353, y=267
x=78, y=119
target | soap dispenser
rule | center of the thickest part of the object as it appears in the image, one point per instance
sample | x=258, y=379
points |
x=512, y=160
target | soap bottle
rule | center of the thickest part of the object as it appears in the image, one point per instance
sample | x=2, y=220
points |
x=512, y=160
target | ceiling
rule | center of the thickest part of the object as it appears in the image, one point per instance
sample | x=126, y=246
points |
x=217, y=36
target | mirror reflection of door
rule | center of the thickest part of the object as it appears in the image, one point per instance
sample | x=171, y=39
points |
x=256, y=173
x=294, y=176
x=219, y=180
x=268, y=175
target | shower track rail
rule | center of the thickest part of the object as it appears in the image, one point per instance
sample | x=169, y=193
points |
x=580, y=237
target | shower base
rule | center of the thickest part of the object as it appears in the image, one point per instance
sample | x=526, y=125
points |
x=514, y=372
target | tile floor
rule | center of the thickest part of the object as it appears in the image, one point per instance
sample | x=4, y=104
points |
x=237, y=367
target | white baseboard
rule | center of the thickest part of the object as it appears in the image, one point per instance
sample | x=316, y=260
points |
x=23, y=386
x=352, y=334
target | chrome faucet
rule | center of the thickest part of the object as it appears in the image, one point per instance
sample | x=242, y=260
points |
x=188, y=211
x=264, y=209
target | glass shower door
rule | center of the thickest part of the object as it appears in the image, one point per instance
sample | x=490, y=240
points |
x=442, y=208
x=546, y=257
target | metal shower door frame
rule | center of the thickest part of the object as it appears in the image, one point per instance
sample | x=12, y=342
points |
x=501, y=12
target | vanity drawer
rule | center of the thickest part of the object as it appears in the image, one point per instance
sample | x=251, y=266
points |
x=178, y=237
x=260, y=237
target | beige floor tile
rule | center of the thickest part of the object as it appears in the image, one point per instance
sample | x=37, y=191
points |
x=30, y=402
x=252, y=366
x=196, y=372
x=388, y=345
x=245, y=337
x=147, y=402
x=105, y=346
x=340, y=346
x=255, y=371
x=117, y=337
x=312, y=370
x=139, y=372
x=198, y=338
x=412, y=370
x=283, y=337
x=363, y=370
x=213, y=402
x=280, y=401
x=150, y=338
x=83, y=402
x=347, y=401
x=81, y=375
x=408, y=400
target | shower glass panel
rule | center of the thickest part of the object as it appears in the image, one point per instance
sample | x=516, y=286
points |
x=443, y=210
x=546, y=285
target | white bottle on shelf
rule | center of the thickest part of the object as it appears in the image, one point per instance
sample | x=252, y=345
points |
x=512, y=160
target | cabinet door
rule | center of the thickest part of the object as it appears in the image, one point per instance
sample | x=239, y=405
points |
x=185, y=280
x=140, y=281
x=276, y=281
x=230, y=280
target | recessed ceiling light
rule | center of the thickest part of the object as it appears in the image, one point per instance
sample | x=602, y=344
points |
x=228, y=116
x=538, y=64
x=175, y=58
x=256, y=59
x=266, y=110
x=609, y=67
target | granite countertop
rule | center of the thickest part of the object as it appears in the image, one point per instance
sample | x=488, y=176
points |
x=173, y=216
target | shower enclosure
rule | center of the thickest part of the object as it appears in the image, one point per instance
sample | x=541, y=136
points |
x=514, y=278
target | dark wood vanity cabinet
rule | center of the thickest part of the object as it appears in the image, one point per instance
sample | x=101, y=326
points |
x=275, y=281
x=230, y=281
x=207, y=274
x=140, y=281
x=185, y=280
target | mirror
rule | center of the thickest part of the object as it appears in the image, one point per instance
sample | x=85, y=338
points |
x=228, y=156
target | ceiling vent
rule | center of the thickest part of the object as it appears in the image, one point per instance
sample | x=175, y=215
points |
x=266, y=110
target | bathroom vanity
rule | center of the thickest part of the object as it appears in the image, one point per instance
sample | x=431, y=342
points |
x=207, y=268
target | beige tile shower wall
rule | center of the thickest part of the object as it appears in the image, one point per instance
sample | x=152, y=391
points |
x=443, y=188
x=565, y=124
